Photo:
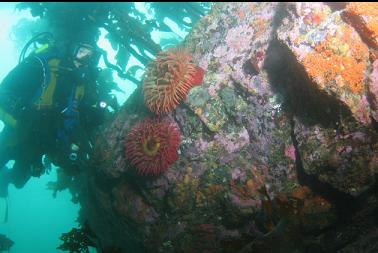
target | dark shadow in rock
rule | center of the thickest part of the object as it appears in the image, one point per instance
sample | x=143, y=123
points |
x=336, y=6
x=250, y=67
x=301, y=96
x=310, y=105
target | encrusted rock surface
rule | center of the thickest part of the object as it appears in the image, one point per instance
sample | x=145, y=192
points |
x=339, y=146
x=288, y=105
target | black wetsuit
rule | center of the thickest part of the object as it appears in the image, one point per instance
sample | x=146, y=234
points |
x=36, y=131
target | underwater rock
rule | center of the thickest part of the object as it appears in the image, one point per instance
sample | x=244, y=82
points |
x=346, y=158
x=336, y=141
x=363, y=17
x=268, y=113
x=233, y=141
x=331, y=53
x=367, y=243
x=373, y=90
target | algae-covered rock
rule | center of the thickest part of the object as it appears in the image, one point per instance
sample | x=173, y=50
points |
x=283, y=99
x=345, y=159
x=334, y=128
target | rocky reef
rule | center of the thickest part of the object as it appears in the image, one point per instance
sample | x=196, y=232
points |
x=278, y=147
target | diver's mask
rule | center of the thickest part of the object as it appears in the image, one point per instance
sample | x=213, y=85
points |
x=86, y=55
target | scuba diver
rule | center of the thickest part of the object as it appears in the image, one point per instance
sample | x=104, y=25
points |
x=49, y=103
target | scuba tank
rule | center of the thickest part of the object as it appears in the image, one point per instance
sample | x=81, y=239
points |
x=10, y=97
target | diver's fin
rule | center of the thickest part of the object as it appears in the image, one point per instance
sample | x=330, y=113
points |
x=3, y=210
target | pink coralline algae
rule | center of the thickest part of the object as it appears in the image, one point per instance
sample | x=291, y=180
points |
x=237, y=174
x=231, y=143
x=202, y=145
x=204, y=62
x=213, y=89
x=362, y=113
x=373, y=89
x=239, y=38
x=290, y=152
x=244, y=203
x=220, y=51
x=374, y=78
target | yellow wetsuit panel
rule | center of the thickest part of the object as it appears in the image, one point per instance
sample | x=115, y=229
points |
x=46, y=99
x=7, y=118
x=79, y=92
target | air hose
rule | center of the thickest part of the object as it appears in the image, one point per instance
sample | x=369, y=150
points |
x=37, y=38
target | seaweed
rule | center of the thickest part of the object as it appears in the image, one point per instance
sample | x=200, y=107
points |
x=129, y=29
